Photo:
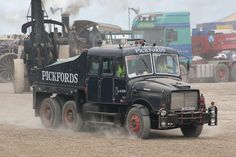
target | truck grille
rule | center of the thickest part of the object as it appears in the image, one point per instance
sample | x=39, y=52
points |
x=184, y=100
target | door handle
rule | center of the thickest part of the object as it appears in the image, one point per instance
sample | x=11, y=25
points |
x=116, y=91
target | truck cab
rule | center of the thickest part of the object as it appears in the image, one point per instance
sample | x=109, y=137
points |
x=139, y=88
x=105, y=85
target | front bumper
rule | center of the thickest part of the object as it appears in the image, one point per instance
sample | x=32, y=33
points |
x=180, y=118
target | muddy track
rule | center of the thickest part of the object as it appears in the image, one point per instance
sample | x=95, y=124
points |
x=21, y=134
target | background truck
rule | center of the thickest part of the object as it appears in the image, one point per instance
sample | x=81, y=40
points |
x=215, y=42
x=210, y=41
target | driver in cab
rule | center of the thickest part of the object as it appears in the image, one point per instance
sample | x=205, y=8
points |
x=161, y=65
x=120, y=71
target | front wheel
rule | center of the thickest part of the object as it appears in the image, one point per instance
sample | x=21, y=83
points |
x=192, y=130
x=71, y=119
x=138, y=122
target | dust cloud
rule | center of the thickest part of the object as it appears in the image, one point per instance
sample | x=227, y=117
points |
x=16, y=109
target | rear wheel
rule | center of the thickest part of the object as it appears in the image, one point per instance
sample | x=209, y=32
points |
x=50, y=113
x=138, y=122
x=71, y=119
x=221, y=73
x=192, y=130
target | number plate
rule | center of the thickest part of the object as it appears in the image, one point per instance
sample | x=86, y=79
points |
x=188, y=108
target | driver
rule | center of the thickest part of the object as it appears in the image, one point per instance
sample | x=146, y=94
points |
x=120, y=72
x=161, y=65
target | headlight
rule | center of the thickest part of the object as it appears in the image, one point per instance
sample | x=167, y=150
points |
x=163, y=112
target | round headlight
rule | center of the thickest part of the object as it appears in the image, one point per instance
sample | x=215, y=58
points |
x=163, y=113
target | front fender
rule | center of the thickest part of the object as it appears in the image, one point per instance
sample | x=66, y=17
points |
x=143, y=109
x=152, y=99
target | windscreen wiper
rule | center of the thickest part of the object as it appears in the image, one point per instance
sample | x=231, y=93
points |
x=144, y=62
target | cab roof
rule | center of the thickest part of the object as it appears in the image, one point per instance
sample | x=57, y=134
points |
x=125, y=51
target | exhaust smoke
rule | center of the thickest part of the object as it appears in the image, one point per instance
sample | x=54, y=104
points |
x=74, y=7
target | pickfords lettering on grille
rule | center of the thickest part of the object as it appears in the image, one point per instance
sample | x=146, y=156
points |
x=59, y=77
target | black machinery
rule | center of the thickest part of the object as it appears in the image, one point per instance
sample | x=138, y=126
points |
x=46, y=44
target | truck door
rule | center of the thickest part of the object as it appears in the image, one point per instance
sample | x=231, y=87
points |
x=93, y=79
x=106, y=81
x=120, y=81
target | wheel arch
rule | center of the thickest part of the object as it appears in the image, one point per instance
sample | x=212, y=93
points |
x=80, y=99
x=38, y=97
x=140, y=103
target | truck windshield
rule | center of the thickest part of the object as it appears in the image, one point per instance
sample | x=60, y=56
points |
x=139, y=65
x=166, y=64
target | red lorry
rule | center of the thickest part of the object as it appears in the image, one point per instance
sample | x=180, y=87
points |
x=214, y=51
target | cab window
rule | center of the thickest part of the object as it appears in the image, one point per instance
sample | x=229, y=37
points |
x=107, y=66
x=94, y=65
x=171, y=35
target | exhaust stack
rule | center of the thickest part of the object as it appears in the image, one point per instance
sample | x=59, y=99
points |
x=65, y=18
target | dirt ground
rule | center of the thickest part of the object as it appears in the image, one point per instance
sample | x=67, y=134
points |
x=22, y=135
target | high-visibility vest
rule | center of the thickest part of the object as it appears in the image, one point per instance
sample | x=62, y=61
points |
x=120, y=71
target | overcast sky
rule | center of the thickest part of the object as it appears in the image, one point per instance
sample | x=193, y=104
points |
x=13, y=12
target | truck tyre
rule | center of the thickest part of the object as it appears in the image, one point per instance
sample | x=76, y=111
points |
x=138, y=122
x=192, y=130
x=221, y=73
x=18, y=80
x=233, y=73
x=71, y=119
x=184, y=73
x=50, y=113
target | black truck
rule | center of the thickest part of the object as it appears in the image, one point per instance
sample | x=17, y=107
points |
x=87, y=89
